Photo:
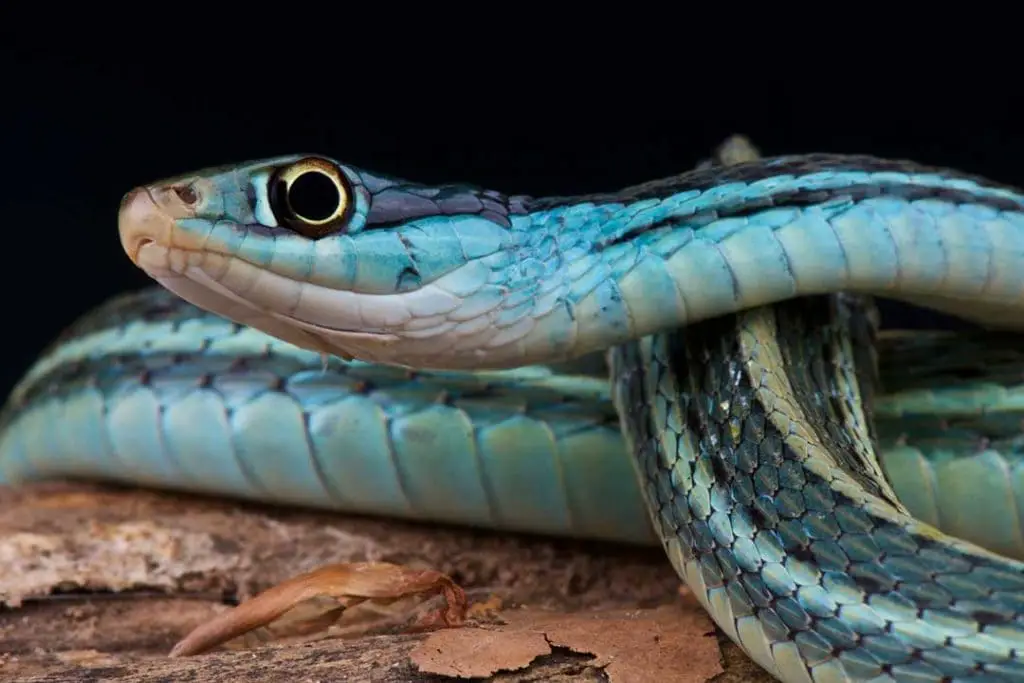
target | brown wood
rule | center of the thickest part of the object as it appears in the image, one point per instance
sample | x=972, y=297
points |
x=100, y=583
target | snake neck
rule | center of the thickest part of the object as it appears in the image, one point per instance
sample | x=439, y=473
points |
x=584, y=274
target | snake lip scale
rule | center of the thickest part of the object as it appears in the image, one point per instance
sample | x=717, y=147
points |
x=693, y=362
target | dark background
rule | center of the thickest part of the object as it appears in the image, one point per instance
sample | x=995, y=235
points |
x=78, y=133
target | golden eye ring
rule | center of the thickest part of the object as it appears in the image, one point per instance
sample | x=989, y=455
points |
x=311, y=197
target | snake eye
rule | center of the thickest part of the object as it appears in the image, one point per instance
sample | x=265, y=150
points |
x=311, y=197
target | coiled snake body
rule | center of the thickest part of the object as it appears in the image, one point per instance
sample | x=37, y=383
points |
x=458, y=328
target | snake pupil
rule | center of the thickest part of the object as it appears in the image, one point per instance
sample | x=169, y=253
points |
x=313, y=196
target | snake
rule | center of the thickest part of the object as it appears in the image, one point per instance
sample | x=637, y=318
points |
x=697, y=363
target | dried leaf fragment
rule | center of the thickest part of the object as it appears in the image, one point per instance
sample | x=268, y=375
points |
x=347, y=583
x=479, y=652
x=666, y=644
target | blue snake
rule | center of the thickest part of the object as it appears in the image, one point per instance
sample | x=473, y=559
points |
x=842, y=499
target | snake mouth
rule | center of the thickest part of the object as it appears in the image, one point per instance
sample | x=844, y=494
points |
x=201, y=278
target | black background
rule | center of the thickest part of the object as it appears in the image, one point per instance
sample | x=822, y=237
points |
x=78, y=133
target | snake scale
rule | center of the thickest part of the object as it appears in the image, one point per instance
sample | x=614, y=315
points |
x=360, y=342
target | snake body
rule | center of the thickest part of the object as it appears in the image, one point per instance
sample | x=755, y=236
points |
x=744, y=382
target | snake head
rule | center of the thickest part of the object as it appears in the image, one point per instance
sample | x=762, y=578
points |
x=332, y=258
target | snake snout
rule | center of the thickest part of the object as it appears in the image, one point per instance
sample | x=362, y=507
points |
x=142, y=222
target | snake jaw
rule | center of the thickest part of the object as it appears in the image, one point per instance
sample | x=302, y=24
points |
x=185, y=273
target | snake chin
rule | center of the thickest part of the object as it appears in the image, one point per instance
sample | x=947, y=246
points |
x=418, y=328
x=184, y=273
x=200, y=290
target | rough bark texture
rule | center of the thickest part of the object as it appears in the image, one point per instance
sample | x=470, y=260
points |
x=99, y=583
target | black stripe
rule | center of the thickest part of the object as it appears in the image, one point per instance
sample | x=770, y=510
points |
x=394, y=202
x=809, y=330
x=706, y=178
x=944, y=359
